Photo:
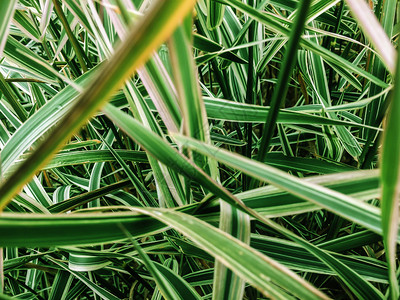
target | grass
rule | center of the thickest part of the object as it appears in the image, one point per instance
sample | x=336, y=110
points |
x=199, y=149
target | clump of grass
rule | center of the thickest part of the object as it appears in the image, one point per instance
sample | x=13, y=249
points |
x=199, y=149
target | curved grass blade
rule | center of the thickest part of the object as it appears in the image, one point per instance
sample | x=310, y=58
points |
x=82, y=262
x=221, y=109
x=307, y=165
x=390, y=175
x=44, y=230
x=360, y=287
x=143, y=113
x=215, y=14
x=6, y=15
x=271, y=201
x=294, y=257
x=194, y=113
x=174, y=283
x=84, y=198
x=72, y=158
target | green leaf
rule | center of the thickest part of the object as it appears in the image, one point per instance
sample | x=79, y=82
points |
x=390, y=175
x=7, y=12
x=241, y=112
x=215, y=14
x=40, y=230
x=281, y=88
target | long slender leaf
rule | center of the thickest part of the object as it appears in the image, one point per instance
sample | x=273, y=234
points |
x=390, y=171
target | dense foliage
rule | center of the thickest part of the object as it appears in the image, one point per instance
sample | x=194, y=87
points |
x=199, y=149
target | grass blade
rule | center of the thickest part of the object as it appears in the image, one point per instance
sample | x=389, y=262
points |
x=7, y=12
x=390, y=175
x=280, y=91
x=215, y=14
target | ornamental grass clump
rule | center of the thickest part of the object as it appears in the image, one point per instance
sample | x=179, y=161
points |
x=210, y=149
